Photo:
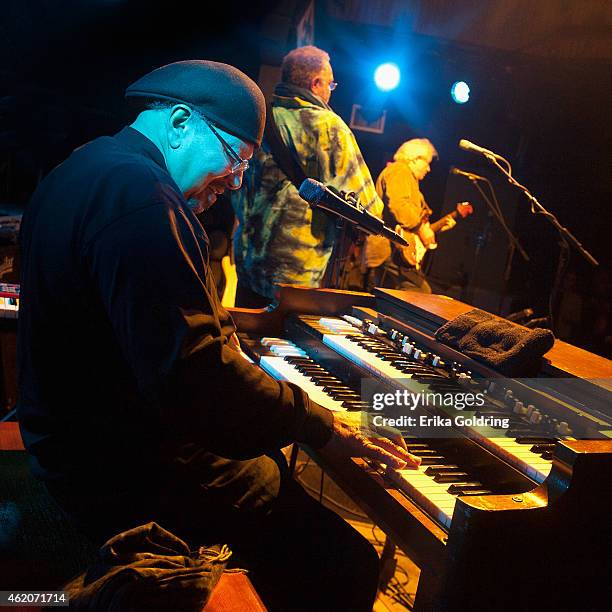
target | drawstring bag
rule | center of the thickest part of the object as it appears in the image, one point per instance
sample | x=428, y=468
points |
x=148, y=568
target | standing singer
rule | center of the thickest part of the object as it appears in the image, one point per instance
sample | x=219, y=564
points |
x=280, y=238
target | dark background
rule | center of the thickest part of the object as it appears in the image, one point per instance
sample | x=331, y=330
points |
x=541, y=79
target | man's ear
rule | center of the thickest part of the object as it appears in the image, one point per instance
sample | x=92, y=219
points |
x=177, y=124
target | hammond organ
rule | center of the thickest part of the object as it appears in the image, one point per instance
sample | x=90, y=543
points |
x=496, y=518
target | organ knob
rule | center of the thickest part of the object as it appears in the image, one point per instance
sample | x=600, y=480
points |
x=519, y=407
x=352, y=320
x=564, y=429
x=374, y=329
x=370, y=327
x=435, y=360
x=529, y=410
x=508, y=395
x=396, y=335
x=536, y=417
x=408, y=348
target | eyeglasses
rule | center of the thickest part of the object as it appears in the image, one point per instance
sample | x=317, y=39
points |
x=239, y=165
x=332, y=85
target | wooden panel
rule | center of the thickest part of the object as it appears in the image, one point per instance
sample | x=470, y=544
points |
x=303, y=300
x=562, y=360
x=234, y=592
x=438, y=308
x=10, y=438
x=422, y=539
x=8, y=365
x=545, y=28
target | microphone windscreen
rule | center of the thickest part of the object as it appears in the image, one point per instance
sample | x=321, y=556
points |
x=311, y=190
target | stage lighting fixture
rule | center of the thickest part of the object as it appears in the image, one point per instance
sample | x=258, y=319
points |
x=387, y=77
x=460, y=92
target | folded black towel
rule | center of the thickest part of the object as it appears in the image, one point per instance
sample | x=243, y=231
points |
x=511, y=349
x=148, y=568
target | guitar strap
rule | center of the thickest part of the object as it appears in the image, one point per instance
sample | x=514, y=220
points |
x=286, y=161
x=281, y=153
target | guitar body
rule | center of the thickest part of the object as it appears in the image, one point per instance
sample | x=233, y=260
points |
x=424, y=239
x=414, y=253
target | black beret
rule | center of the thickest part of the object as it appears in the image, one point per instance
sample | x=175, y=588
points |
x=224, y=94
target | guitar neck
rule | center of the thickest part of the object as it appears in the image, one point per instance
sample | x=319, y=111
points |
x=435, y=227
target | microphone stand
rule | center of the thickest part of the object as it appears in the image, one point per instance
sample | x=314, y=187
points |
x=495, y=209
x=481, y=241
x=514, y=245
x=566, y=238
x=337, y=273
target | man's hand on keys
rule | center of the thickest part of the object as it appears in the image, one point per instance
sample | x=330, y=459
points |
x=354, y=436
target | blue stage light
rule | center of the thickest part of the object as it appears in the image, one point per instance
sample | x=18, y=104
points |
x=387, y=77
x=460, y=92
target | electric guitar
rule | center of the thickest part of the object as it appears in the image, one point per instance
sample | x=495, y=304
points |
x=424, y=239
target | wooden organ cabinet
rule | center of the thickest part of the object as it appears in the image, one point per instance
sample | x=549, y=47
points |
x=496, y=520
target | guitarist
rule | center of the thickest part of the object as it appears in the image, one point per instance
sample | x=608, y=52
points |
x=404, y=206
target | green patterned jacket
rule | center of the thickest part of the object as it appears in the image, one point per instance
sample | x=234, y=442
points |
x=279, y=238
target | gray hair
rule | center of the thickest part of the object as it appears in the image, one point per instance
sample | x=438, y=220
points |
x=417, y=147
x=302, y=65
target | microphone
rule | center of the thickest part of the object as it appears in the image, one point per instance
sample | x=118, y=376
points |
x=470, y=175
x=320, y=196
x=474, y=148
x=521, y=316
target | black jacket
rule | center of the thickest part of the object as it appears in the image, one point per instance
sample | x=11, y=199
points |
x=123, y=344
